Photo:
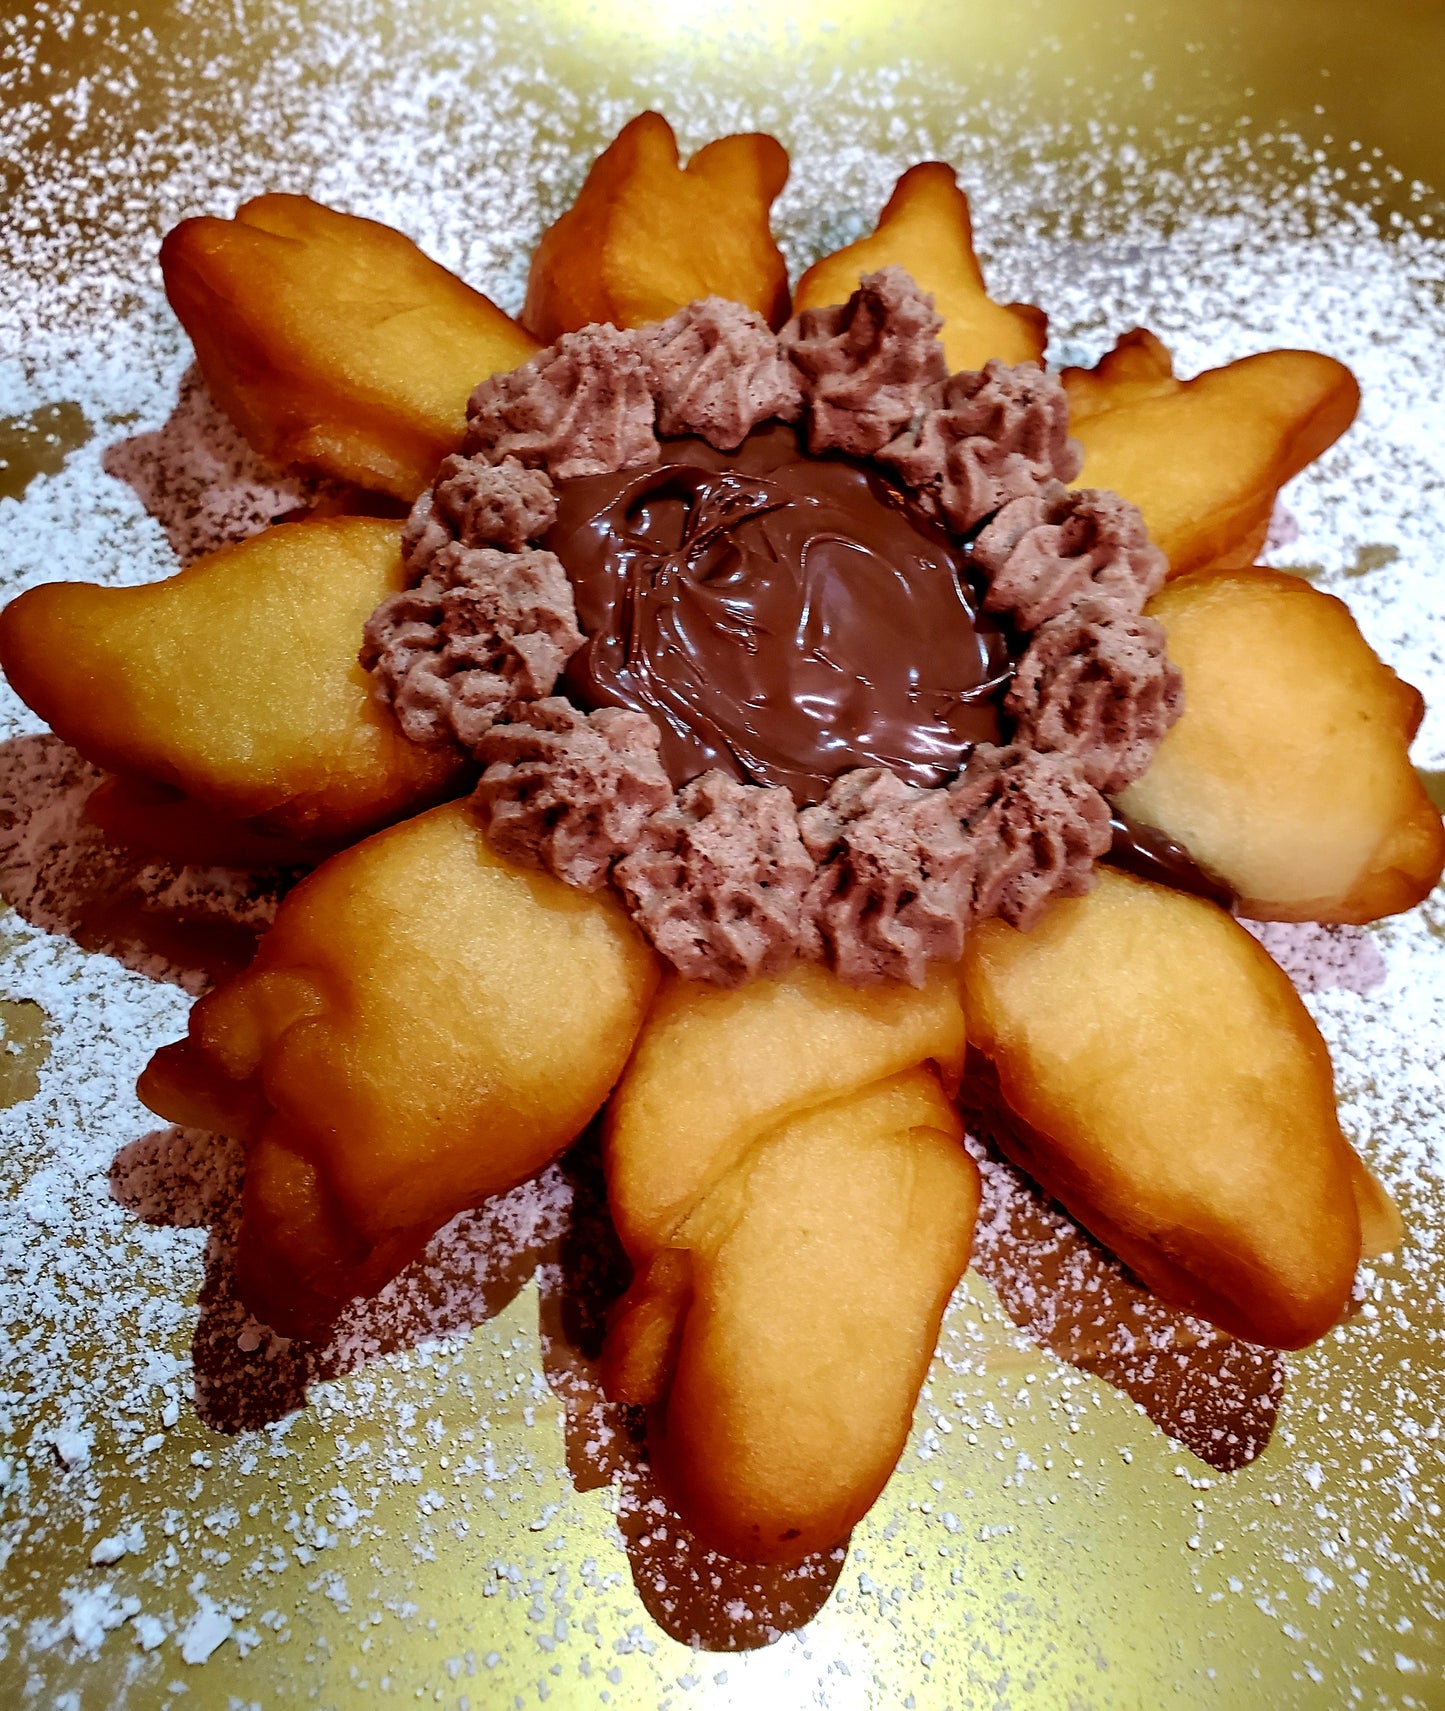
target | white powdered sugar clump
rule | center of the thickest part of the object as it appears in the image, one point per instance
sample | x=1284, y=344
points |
x=188, y=1499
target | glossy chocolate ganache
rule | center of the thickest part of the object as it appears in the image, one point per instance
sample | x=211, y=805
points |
x=1151, y=854
x=782, y=617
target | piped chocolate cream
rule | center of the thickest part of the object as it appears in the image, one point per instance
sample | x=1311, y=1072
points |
x=748, y=686
x=782, y=617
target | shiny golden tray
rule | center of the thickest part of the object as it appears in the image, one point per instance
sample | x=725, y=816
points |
x=192, y=1514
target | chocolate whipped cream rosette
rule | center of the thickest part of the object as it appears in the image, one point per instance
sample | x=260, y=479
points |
x=843, y=666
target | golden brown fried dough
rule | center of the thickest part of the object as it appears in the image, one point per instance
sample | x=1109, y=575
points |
x=715, y=1068
x=332, y=341
x=234, y=688
x=791, y=1188
x=424, y=1026
x=819, y=1269
x=1203, y=459
x=647, y=235
x=1288, y=775
x=645, y=1327
x=1181, y=1100
x=298, y=1260
x=1381, y=1227
x=925, y=228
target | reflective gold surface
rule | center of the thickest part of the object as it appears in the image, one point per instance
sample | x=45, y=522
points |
x=1042, y=1545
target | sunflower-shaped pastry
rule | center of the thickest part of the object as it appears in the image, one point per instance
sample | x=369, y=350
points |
x=752, y=714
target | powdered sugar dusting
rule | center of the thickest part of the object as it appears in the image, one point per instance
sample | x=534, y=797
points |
x=433, y=1521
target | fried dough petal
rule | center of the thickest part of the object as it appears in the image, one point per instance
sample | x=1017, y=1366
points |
x=229, y=698
x=819, y=1276
x=424, y=1026
x=793, y=1191
x=1180, y=1102
x=332, y=341
x=647, y=235
x=1203, y=459
x=1288, y=775
x=925, y=228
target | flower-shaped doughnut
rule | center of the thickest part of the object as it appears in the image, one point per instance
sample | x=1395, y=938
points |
x=431, y=1018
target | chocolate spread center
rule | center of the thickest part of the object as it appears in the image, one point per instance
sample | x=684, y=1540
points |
x=780, y=616
x=1150, y=854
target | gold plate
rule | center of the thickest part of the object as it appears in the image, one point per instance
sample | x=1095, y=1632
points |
x=1235, y=176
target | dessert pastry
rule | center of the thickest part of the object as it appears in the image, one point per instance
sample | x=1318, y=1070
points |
x=333, y=341
x=776, y=1144
x=1189, y=1124
x=1203, y=459
x=1288, y=776
x=227, y=700
x=647, y=234
x=423, y=1027
x=434, y=1014
x=807, y=1291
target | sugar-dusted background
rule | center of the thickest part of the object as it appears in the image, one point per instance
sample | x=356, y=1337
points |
x=1231, y=175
